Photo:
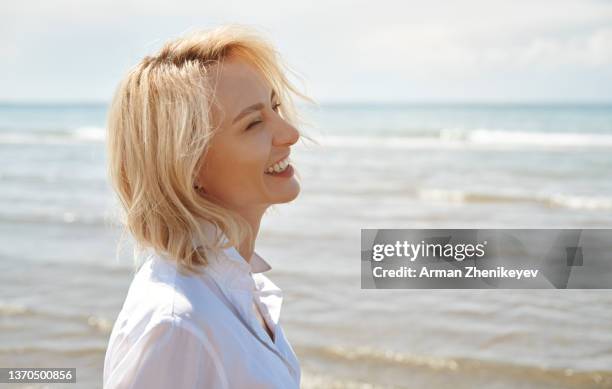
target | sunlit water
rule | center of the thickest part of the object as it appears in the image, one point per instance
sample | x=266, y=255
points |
x=63, y=279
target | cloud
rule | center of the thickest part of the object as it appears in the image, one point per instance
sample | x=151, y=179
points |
x=345, y=49
x=430, y=50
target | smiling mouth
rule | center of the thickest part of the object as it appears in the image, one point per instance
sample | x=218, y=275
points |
x=278, y=167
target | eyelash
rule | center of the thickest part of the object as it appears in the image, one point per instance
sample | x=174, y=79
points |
x=252, y=124
x=274, y=108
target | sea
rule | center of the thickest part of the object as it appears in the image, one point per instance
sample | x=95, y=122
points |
x=65, y=264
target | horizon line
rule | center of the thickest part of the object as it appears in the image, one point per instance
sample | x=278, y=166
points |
x=398, y=103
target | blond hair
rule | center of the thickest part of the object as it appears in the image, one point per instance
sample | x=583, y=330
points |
x=159, y=129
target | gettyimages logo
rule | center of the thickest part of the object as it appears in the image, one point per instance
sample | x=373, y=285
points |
x=469, y=258
x=412, y=251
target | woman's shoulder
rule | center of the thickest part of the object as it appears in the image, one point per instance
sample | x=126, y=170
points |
x=159, y=292
x=172, y=315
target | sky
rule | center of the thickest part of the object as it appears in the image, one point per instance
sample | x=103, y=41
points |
x=344, y=51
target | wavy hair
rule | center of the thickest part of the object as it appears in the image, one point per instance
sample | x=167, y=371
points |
x=159, y=129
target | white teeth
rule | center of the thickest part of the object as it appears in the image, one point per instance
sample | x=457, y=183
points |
x=279, y=166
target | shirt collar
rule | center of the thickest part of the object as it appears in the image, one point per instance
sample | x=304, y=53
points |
x=229, y=264
x=229, y=269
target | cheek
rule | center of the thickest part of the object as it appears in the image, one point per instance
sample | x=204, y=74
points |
x=253, y=154
x=235, y=171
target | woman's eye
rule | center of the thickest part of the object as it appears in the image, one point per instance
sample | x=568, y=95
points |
x=256, y=122
x=253, y=124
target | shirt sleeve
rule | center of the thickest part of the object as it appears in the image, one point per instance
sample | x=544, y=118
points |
x=172, y=354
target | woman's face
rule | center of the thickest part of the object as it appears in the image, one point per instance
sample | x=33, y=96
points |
x=250, y=137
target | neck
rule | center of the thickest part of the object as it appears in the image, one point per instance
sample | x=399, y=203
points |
x=253, y=216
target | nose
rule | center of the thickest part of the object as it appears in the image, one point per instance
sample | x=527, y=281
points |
x=285, y=134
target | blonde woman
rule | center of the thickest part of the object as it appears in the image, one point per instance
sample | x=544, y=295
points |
x=199, y=143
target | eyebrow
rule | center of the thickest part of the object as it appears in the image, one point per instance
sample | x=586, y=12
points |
x=252, y=108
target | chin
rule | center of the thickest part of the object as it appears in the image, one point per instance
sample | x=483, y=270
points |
x=288, y=196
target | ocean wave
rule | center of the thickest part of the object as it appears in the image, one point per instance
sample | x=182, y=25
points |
x=53, y=351
x=372, y=358
x=95, y=134
x=475, y=138
x=312, y=380
x=9, y=309
x=523, y=138
x=98, y=323
x=447, y=138
x=84, y=134
x=548, y=200
x=60, y=218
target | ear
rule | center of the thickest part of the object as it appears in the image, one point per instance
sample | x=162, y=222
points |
x=199, y=188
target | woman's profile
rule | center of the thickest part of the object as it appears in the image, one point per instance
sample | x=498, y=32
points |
x=199, y=143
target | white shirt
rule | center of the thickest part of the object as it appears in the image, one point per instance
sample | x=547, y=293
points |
x=185, y=332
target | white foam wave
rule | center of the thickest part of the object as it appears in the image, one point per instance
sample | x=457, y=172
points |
x=78, y=135
x=90, y=133
x=580, y=202
x=9, y=309
x=549, y=200
x=100, y=324
x=549, y=139
x=446, y=139
x=476, y=139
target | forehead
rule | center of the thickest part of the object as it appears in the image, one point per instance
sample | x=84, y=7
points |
x=238, y=84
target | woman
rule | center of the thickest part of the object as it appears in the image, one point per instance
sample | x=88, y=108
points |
x=199, y=138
